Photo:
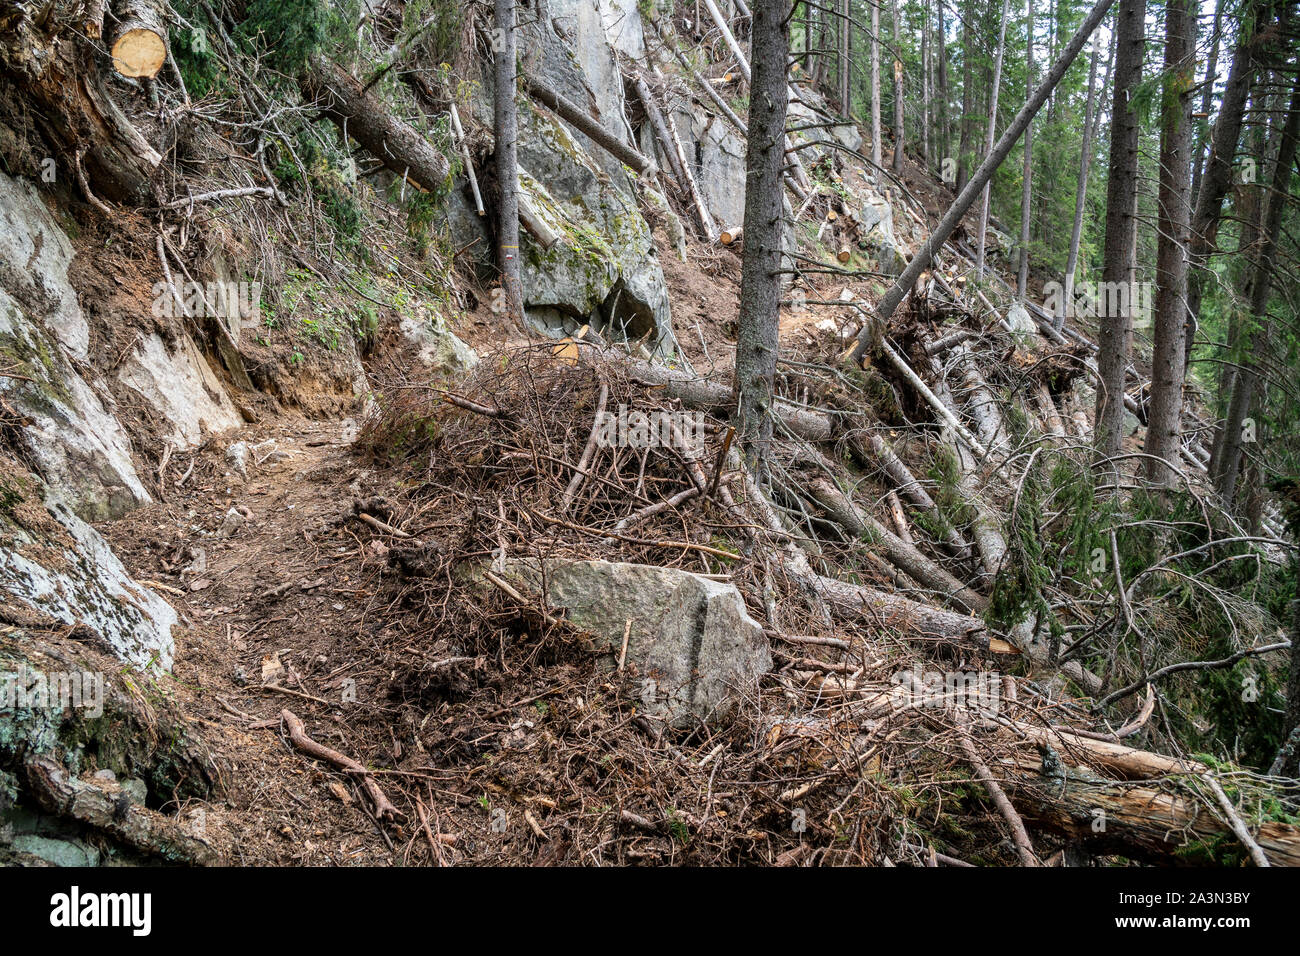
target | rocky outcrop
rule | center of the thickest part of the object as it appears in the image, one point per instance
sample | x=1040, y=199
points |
x=718, y=164
x=180, y=384
x=56, y=567
x=692, y=644
x=68, y=430
x=604, y=269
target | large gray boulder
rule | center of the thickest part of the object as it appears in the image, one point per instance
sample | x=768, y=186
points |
x=577, y=54
x=692, y=644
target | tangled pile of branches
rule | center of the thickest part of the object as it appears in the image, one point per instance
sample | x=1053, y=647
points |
x=836, y=759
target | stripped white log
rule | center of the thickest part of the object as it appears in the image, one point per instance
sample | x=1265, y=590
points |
x=469, y=162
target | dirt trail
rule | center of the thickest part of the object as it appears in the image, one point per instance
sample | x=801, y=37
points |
x=275, y=586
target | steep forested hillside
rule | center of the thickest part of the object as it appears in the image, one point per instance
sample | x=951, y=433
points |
x=587, y=432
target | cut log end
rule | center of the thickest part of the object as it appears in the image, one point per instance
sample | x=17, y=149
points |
x=139, y=52
x=728, y=236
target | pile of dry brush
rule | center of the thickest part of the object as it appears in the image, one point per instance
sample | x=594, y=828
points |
x=829, y=763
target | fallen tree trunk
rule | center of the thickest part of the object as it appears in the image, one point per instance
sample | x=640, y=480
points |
x=139, y=41
x=401, y=148
x=942, y=410
x=580, y=121
x=842, y=509
x=882, y=456
x=660, y=127
x=980, y=402
x=54, y=66
x=673, y=145
x=459, y=131
x=106, y=808
x=713, y=396
x=989, y=541
x=1135, y=820
x=867, y=607
x=537, y=227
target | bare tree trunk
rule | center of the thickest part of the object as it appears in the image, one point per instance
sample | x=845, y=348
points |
x=1091, y=116
x=401, y=148
x=808, y=55
x=988, y=138
x=898, y=93
x=760, y=287
x=660, y=126
x=941, y=82
x=967, y=98
x=702, y=216
x=1207, y=100
x=925, y=255
x=1248, y=210
x=925, y=85
x=1027, y=176
x=580, y=121
x=818, y=72
x=1247, y=379
x=507, y=132
x=1114, y=335
x=1164, y=423
x=875, y=85
x=1217, y=175
x=845, y=45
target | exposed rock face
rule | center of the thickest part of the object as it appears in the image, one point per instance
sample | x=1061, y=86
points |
x=44, y=338
x=578, y=52
x=623, y=28
x=72, y=433
x=718, y=164
x=692, y=643
x=604, y=269
x=877, y=234
x=57, y=566
x=178, y=382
